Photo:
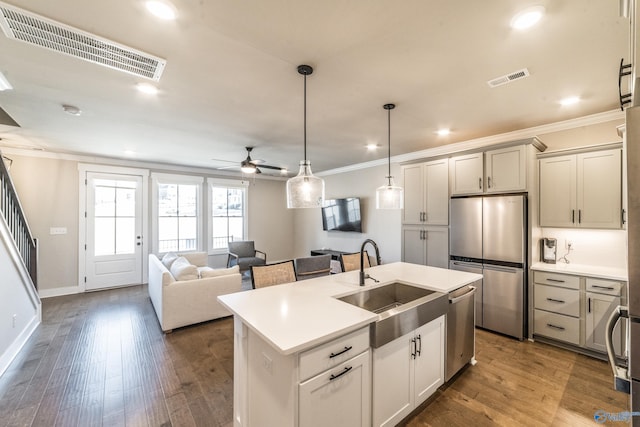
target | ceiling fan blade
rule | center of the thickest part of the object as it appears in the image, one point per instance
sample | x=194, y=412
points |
x=273, y=167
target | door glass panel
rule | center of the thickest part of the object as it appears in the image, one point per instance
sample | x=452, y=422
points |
x=125, y=202
x=125, y=235
x=105, y=198
x=104, y=232
x=114, y=216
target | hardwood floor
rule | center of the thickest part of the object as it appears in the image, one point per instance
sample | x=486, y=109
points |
x=101, y=359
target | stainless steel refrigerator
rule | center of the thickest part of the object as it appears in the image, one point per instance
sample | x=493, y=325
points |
x=627, y=378
x=488, y=236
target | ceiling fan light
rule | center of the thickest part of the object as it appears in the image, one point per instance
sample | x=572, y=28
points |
x=247, y=167
x=389, y=196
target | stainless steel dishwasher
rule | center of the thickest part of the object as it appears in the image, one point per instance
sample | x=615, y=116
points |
x=460, y=329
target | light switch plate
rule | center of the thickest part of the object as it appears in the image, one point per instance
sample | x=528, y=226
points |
x=58, y=230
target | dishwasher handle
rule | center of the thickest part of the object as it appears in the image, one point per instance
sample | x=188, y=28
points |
x=469, y=293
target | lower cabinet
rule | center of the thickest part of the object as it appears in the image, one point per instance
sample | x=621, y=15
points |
x=407, y=371
x=426, y=245
x=575, y=310
x=339, y=396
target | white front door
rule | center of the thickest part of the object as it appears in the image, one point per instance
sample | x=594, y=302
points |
x=113, y=248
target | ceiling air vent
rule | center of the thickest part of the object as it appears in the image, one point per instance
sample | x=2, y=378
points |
x=503, y=80
x=40, y=31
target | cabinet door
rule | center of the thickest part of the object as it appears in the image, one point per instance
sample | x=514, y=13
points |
x=339, y=396
x=414, y=193
x=558, y=191
x=437, y=192
x=437, y=246
x=413, y=244
x=599, y=308
x=505, y=169
x=393, y=372
x=599, y=198
x=429, y=369
x=466, y=174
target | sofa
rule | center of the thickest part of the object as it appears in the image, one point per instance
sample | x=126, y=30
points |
x=184, y=290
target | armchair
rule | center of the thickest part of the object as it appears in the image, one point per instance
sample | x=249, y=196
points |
x=244, y=255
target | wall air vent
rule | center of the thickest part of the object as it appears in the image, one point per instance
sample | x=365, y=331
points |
x=503, y=80
x=40, y=31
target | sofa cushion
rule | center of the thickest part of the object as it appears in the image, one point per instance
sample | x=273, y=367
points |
x=202, y=269
x=182, y=269
x=169, y=258
x=219, y=272
x=199, y=259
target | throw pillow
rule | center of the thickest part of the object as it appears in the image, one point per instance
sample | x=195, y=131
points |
x=183, y=270
x=168, y=259
x=220, y=272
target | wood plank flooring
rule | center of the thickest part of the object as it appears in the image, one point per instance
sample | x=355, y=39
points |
x=100, y=359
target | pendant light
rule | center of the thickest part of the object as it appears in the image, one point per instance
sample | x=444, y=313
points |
x=305, y=190
x=389, y=196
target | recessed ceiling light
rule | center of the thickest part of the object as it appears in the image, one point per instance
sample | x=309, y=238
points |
x=569, y=100
x=527, y=18
x=372, y=147
x=443, y=132
x=161, y=9
x=147, y=88
x=71, y=109
x=4, y=83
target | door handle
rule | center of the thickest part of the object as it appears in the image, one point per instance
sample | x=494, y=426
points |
x=620, y=375
x=344, y=371
x=420, y=345
x=346, y=348
x=556, y=300
x=413, y=349
x=488, y=182
x=573, y=216
x=589, y=305
x=606, y=288
x=559, y=328
x=480, y=183
x=579, y=216
x=555, y=280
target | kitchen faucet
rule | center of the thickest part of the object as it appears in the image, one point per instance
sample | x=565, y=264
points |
x=362, y=274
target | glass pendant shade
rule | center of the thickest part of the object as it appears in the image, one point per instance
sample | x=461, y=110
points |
x=305, y=190
x=389, y=196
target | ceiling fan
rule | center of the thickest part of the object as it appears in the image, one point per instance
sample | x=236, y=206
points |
x=250, y=166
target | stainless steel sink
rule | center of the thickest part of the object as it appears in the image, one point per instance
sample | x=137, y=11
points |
x=401, y=308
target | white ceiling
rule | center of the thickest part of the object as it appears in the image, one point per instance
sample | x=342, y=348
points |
x=231, y=78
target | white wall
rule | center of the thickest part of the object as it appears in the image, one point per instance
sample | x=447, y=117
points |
x=383, y=226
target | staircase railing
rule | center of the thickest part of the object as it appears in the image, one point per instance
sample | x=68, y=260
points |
x=13, y=215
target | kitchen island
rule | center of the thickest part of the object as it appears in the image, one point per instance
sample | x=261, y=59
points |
x=281, y=333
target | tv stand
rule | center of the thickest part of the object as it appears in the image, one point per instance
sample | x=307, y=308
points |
x=335, y=255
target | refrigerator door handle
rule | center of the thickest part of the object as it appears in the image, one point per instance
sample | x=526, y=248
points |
x=503, y=269
x=620, y=373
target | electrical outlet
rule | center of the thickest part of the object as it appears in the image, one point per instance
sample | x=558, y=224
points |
x=267, y=363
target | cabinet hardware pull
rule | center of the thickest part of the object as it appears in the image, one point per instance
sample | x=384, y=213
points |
x=606, y=288
x=419, y=350
x=589, y=306
x=344, y=371
x=556, y=300
x=480, y=183
x=579, y=216
x=555, y=280
x=413, y=350
x=560, y=328
x=332, y=355
x=624, y=217
x=425, y=216
x=425, y=234
x=573, y=216
x=488, y=182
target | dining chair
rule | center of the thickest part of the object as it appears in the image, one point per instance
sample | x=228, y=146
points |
x=272, y=274
x=350, y=262
x=313, y=266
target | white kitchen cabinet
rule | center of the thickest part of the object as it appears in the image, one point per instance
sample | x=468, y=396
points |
x=505, y=169
x=425, y=245
x=407, y=371
x=602, y=298
x=581, y=190
x=340, y=396
x=467, y=174
x=426, y=193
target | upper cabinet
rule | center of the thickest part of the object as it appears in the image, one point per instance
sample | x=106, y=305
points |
x=426, y=193
x=494, y=171
x=581, y=190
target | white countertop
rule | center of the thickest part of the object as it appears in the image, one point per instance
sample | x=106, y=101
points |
x=583, y=270
x=296, y=316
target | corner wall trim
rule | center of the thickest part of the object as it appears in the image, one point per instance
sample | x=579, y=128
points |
x=7, y=357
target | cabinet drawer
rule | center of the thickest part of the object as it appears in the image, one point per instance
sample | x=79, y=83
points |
x=557, y=326
x=555, y=279
x=602, y=286
x=333, y=353
x=559, y=300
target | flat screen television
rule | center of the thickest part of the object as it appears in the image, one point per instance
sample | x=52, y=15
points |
x=342, y=215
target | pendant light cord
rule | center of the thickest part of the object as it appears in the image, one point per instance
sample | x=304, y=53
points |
x=305, y=117
x=389, y=140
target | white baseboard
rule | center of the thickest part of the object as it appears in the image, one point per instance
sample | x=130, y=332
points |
x=7, y=357
x=58, y=292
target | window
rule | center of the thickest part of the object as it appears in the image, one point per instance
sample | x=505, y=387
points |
x=228, y=213
x=178, y=212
